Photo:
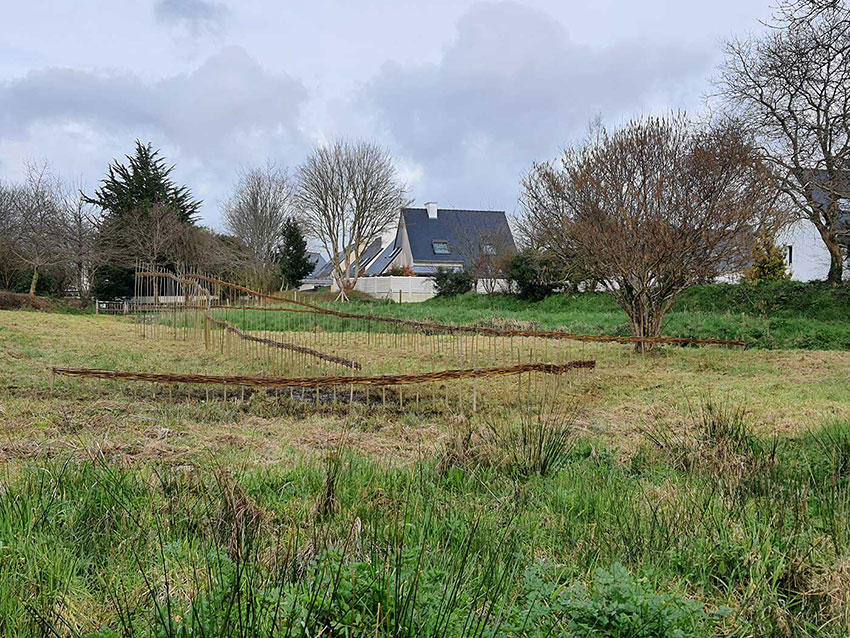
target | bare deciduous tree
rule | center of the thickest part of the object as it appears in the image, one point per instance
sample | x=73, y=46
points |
x=256, y=214
x=37, y=213
x=9, y=262
x=543, y=223
x=792, y=88
x=658, y=206
x=350, y=194
x=485, y=252
x=154, y=235
x=80, y=222
x=210, y=252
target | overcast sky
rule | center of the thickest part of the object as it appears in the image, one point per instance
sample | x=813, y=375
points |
x=466, y=95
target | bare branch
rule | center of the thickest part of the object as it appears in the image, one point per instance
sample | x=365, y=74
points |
x=350, y=195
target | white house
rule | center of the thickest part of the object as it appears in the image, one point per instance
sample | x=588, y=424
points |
x=430, y=238
x=805, y=252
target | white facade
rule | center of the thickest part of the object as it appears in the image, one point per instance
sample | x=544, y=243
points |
x=401, y=289
x=412, y=289
x=804, y=248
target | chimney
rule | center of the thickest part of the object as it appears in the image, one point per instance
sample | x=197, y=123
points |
x=432, y=210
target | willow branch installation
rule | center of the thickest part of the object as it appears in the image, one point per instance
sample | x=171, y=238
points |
x=310, y=382
x=449, y=329
x=282, y=345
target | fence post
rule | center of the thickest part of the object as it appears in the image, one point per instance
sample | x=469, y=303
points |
x=206, y=333
x=96, y=307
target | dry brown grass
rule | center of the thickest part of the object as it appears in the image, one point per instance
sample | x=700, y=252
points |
x=784, y=391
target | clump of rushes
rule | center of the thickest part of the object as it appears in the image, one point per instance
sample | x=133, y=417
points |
x=326, y=503
x=716, y=439
x=542, y=440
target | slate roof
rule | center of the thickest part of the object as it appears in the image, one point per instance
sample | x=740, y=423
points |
x=318, y=262
x=368, y=255
x=383, y=260
x=464, y=230
x=824, y=196
x=324, y=270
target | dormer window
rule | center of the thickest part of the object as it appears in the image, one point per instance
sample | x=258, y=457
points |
x=844, y=205
x=440, y=247
x=488, y=249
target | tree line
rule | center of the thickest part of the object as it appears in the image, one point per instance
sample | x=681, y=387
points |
x=55, y=238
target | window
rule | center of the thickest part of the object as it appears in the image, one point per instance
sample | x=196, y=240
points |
x=440, y=247
x=844, y=205
x=789, y=254
x=488, y=249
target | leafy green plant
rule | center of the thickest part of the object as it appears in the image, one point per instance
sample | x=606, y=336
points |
x=618, y=606
x=534, y=276
x=450, y=283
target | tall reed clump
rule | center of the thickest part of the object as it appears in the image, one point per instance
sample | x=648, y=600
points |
x=716, y=439
x=540, y=442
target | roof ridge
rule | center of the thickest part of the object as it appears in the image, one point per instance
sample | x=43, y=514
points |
x=458, y=210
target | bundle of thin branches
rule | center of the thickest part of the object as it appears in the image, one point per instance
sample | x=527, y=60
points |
x=331, y=358
x=303, y=382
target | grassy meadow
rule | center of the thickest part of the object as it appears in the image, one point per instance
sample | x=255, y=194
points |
x=691, y=492
x=776, y=315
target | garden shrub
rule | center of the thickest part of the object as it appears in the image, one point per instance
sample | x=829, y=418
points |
x=768, y=262
x=534, y=276
x=450, y=283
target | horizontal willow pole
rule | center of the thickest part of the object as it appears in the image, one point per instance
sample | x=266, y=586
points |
x=310, y=382
x=282, y=345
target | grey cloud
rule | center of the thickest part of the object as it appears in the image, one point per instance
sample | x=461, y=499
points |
x=511, y=89
x=229, y=99
x=228, y=111
x=196, y=16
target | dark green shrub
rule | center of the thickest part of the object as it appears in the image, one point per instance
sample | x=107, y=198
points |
x=768, y=262
x=534, y=276
x=618, y=606
x=453, y=282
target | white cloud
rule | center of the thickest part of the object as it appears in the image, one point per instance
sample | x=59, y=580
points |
x=229, y=111
x=510, y=89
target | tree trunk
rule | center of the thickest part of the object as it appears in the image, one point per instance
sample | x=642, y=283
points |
x=33, y=282
x=80, y=278
x=836, y=262
x=646, y=323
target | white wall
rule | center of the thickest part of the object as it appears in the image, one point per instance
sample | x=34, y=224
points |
x=403, y=289
x=407, y=289
x=498, y=285
x=810, y=258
